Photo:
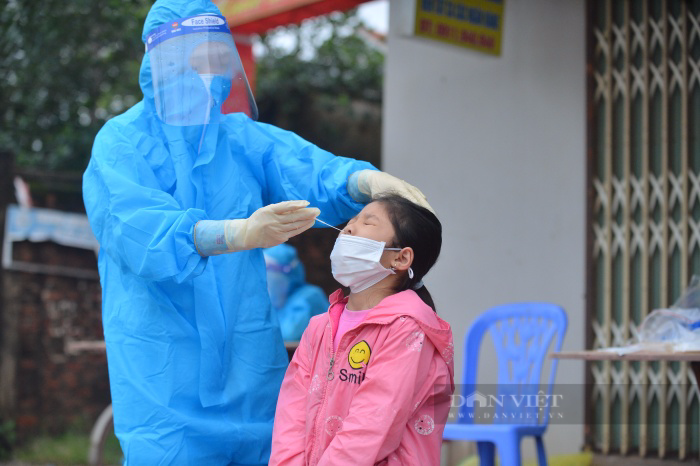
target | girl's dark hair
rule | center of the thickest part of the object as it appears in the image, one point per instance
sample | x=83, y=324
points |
x=418, y=228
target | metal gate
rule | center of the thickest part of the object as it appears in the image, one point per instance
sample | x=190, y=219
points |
x=643, y=60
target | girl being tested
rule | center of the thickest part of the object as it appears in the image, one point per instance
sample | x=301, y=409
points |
x=371, y=380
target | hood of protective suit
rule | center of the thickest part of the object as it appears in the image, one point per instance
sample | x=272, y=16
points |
x=190, y=69
x=161, y=12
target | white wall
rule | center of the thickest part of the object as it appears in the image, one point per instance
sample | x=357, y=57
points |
x=498, y=146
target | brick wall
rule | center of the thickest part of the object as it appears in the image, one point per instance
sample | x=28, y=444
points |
x=43, y=387
x=54, y=388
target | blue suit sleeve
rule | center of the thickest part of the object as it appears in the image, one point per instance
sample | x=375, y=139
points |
x=296, y=169
x=137, y=223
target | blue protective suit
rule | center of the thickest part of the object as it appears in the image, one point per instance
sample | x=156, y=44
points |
x=195, y=356
x=294, y=301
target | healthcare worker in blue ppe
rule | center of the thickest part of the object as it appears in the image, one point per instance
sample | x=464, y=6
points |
x=293, y=300
x=182, y=198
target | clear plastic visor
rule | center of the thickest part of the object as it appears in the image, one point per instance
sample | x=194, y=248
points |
x=194, y=72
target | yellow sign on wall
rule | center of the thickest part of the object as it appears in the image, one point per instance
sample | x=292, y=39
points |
x=476, y=24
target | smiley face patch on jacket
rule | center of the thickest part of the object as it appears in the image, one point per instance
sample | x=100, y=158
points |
x=359, y=354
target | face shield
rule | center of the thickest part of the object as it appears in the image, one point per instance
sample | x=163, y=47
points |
x=196, y=67
x=279, y=281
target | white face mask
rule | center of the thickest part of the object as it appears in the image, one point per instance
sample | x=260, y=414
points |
x=355, y=262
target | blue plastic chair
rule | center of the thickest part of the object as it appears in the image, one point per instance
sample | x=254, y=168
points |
x=521, y=334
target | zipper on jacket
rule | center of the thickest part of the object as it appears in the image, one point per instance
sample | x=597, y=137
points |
x=324, y=393
x=329, y=376
x=321, y=409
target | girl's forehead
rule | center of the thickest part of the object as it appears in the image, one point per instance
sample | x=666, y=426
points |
x=375, y=209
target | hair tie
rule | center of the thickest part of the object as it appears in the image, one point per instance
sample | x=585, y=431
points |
x=418, y=285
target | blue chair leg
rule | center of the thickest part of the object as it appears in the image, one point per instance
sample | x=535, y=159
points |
x=509, y=450
x=486, y=453
x=541, y=455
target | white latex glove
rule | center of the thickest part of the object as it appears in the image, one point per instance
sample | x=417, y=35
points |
x=268, y=226
x=373, y=183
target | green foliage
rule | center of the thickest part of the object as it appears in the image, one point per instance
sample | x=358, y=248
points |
x=330, y=56
x=7, y=439
x=65, y=68
x=68, y=449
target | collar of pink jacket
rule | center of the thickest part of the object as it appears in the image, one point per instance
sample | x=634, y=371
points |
x=400, y=305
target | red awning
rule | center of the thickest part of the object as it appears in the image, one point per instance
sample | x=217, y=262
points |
x=259, y=16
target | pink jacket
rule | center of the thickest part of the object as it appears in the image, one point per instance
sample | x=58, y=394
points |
x=382, y=398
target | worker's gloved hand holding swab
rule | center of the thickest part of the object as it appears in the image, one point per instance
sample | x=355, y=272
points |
x=268, y=226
